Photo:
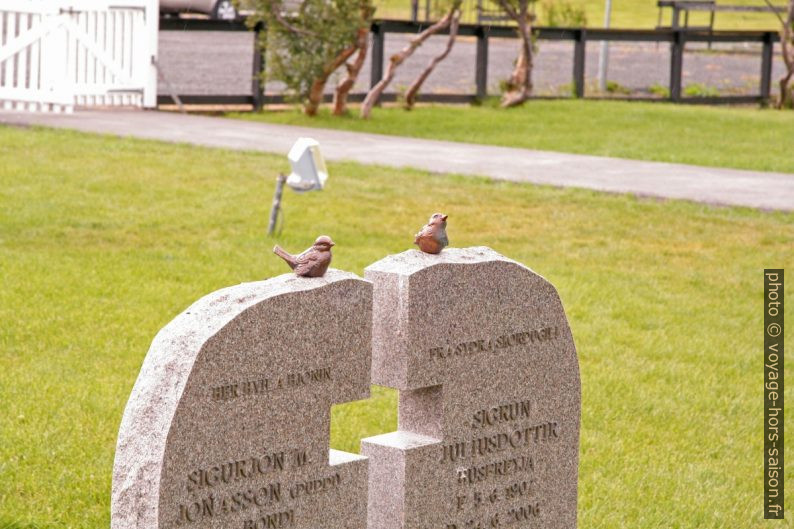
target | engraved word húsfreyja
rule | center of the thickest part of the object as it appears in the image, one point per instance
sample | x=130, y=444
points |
x=505, y=467
x=488, y=345
x=264, y=385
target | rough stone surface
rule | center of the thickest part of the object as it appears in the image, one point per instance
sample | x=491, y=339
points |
x=228, y=423
x=488, y=428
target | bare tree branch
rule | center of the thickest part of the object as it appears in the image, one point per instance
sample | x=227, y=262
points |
x=773, y=8
x=413, y=90
x=786, y=98
x=507, y=8
x=520, y=82
x=279, y=17
x=396, y=60
x=353, y=69
x=317, y=88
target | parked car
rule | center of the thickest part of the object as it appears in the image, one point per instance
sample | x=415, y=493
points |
x=217, y=9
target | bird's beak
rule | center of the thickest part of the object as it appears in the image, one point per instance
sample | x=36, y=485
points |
x=332, y=244
x=444, y=217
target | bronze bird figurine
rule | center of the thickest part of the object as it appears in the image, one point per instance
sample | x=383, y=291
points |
x=311, y=263
x=432, y=238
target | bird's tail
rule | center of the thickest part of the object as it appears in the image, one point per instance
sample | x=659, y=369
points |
x=289, y=258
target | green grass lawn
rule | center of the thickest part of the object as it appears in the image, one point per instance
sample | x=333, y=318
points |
x=744, y=138
x=104, y=240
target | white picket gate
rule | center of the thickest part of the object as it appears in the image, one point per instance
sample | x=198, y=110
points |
x=58, y=54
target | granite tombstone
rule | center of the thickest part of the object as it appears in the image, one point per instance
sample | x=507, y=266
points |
x=480, y=350
x=228, y=422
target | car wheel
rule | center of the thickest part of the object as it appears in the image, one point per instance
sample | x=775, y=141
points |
x=224, y=10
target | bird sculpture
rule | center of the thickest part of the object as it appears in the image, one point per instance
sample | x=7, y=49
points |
x=432, y=238
x=311, y=263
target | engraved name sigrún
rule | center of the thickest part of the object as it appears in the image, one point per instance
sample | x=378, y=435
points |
x=502, y=413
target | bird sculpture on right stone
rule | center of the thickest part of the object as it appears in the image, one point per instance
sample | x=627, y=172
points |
x=432, y=238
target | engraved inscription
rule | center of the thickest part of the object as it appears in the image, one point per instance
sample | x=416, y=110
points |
x=211, y=503
x=489, y=345
x=503, y=467
x=216, y=504
x=314, y=486
x=264, y=385
x=491, y=444
x=272, y=521
x=515, y=411
x=256, y=499
x=235, y=471
x=511, y=498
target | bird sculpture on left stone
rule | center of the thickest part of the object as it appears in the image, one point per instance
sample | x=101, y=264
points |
x=311, y=263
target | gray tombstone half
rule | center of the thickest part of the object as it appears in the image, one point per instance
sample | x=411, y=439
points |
x=228, y=422
x=480, y=349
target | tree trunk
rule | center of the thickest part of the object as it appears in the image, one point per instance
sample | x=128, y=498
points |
x=413, y=90
x=396, y=60
x=353, y=69
x=786, y=99
x=520, y=83
x=315, y=96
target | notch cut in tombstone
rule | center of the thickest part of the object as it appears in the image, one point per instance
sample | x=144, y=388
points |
x=488, y=425
x=421, y=411
x=228, y=423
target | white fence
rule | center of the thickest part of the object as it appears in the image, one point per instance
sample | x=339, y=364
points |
x=57, y=54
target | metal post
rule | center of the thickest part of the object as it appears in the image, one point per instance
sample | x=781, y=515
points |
x=271, y=225
x=603, y=56
x=152, y=23
x=580, y=41
x=676, y=64
x=766, y=67
x=481, y=66
x=711, y=25
x=377, y=55
x=169, y=87
x=257, y=77
x=676, y=14
x=414, y=10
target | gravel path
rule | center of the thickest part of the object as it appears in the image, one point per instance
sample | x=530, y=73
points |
x=666, y=180
x=201, y=62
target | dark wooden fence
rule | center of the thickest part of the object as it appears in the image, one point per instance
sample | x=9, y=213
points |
x=676, y=38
